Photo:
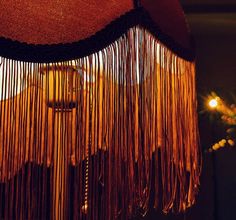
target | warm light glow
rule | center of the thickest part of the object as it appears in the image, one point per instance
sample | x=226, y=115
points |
x=213, y=103
x=8, y=88
x=231, y=142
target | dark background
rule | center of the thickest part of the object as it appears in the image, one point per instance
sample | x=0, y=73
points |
x=213, y=24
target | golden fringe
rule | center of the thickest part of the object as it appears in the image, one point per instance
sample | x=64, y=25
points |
x=102, y=137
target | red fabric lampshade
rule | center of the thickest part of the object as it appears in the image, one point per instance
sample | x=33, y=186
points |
x=63, y=22
x=98, y=115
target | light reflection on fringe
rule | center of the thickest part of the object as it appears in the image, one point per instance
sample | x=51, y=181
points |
x=119, y=126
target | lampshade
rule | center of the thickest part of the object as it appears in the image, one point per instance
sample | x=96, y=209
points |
x=98, y=109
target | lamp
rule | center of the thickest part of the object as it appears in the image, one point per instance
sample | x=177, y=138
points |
x=98, y=109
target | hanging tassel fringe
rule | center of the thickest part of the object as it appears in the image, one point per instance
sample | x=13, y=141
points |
x=102, y=137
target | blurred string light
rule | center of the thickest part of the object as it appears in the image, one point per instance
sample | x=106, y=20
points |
x=213, y=103
x=227, y=117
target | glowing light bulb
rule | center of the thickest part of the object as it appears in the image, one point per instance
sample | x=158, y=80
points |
x=213, y=103
x=231, y=142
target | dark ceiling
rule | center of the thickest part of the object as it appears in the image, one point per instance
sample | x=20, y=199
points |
x=213, y=25
x=211, y=16
x=211, y=2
